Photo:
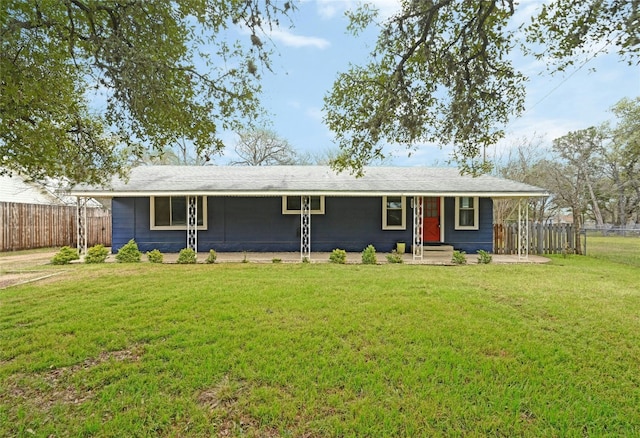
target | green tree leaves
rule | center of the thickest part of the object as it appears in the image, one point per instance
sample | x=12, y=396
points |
x=565, y=29
x=168, y=72
x=441, y=74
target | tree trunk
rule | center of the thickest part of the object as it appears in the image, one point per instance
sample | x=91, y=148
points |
x=621, y=201
x=594, y=202
x=577, y=228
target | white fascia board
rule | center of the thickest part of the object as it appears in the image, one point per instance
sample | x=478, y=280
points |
x=102, y=194
x=516, y=195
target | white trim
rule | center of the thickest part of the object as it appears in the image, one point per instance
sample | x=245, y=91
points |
x=476, y=215
x=442, y=222
x=330, y=193
x=523, y=231
x=152, y=216
x=417, y=204
x=403, y=208
x=285, y=210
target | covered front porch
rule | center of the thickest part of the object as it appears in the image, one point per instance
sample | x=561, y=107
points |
x=428, y=224
x=304, y=208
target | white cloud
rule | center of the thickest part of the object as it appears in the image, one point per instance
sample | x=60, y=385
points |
x=537, y=127
x=525, y=10
x=425, y=154
x=315, y=113
x=328, y=9
x=386, y=7
x=290, y=39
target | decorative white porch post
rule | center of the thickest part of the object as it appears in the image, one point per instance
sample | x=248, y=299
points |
x=81, y=224
x=418, y=223
x=192, y=222
x=305, y=228
x=523, y=229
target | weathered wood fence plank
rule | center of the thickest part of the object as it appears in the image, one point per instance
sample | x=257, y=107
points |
x=543, y=238
x=28, y=226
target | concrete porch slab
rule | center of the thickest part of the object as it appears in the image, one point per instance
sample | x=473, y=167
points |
x=352, y=258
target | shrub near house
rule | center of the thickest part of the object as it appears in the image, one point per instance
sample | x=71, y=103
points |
x=65, y=256
x=155, y=256
x=129, y=253
x=96, y=254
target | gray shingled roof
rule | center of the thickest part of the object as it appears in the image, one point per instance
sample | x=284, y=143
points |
x=283, y=180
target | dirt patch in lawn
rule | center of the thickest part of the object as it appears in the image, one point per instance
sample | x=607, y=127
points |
x=226, y=403
x=8, y=279
x=24, y=260
x=223, y=403
x=22, y=267
x=52, y=387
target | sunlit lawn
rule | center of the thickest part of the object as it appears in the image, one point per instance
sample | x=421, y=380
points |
x=615, y=248
x=323, y=350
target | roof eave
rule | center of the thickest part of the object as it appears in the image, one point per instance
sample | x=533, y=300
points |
x=484, y=194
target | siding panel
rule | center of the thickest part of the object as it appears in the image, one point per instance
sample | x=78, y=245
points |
x=257, y=224
x=470, y=241
x=123, y=229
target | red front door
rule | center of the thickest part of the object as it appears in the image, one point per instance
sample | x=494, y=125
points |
x=431, y=224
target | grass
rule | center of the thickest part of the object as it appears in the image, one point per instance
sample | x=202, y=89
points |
x=323, y=350
x=27, y=251
x=615, y=248
x=25, y=260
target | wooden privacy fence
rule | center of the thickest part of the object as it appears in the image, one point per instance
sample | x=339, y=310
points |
x=27, y=226
x=543, y=238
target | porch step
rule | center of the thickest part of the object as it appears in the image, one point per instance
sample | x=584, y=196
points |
x=437, y=253
x=435, y=249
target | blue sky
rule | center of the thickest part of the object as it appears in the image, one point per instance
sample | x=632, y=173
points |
x=310, y=55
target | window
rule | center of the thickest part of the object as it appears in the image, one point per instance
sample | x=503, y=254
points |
x=293, y=205
x=170, y=212
x=467, y=213
x=393, y=213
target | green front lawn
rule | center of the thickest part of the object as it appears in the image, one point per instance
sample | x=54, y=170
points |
x=323, y=350
x=615, y=248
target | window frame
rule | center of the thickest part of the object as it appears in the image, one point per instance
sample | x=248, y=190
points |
x=403, y=211
x=476, y=213
x=285, y=210
x=152, y=215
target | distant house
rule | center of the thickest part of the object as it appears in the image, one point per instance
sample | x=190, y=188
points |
x=303, y=208
x=18, y=189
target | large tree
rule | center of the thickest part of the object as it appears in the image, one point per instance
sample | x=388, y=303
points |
x=581, y=152
x=525, y=162
x=169, y=71
x=263, y=147
x=441, y=72
x=622, y=161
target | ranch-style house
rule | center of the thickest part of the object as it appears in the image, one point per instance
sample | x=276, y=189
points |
x=303, y=208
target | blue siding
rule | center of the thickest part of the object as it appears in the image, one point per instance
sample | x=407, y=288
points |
x=257, y=224
x=123, y=214
x=131, y=220
x=354, y=223
x=249, y=224
x=470, y=241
